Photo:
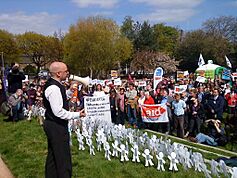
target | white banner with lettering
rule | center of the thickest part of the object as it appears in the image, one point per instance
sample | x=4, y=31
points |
x=98, y=107
x=154, y=113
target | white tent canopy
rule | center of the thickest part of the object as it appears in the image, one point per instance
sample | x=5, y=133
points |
x=208, y=67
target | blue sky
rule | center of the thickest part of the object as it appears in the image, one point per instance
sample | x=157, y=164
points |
x=48, y=16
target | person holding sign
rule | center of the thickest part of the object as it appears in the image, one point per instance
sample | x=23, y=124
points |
x=131, y=96
x=58, y=162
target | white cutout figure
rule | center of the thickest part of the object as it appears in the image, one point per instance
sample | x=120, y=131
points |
x=233, y=172
x=91, y=146
x=173, y=162
x=99, y=135
x=136, y=153
x=80, y=141
x=161, y=161
x=197, y=162
x=206, y=171
x=148, y=158
x=223, y=168
x=115, y=148
x=124, y=153
x=107, y=151
x=214, y=169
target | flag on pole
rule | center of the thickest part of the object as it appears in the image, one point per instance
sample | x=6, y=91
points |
x=201, y=61
x=228, y=62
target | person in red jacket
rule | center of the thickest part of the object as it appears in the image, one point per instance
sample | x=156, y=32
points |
x=231, y=99
x=148, y=99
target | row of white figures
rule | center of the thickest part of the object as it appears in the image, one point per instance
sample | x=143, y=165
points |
x=176, y=153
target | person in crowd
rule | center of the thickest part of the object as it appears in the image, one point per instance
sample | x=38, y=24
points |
x=73, y=104
x=197, y=115
x=58, y=162
x=99, y=91
x=112, y=100
x=184, y=97
x=216, y=105
x=215, y=136
x=15, y=78
x=72, y=91
x=120, y=106
x=15, y=102
x=148, y=98
x=231, y=98
x=178, y=107
x=167, y=100
x=31, y=95
x=131, y=101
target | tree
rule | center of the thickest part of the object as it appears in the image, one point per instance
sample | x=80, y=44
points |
x=8, y=47
x=166, y=37
x=148, y=61
x=225, y=26
x=213, y=47
x=95, y=45
x=39, y=48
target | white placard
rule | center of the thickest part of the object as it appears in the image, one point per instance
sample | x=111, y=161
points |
x=142, y=83
x=117, y=82
x=98, y=107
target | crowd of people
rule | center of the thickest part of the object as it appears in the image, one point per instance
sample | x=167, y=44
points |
x=196, y=113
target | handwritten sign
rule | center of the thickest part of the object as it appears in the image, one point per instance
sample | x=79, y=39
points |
x=98, y=107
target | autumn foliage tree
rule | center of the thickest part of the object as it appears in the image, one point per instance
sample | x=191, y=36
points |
x=148, y=61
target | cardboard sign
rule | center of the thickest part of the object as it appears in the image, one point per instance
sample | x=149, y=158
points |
x=180, y=88
x=142, y=83
x=98, y=107
x=114, y=74
x=117, y=82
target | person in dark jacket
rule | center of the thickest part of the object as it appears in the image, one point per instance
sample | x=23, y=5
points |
x=216, y=105
x=15, y=78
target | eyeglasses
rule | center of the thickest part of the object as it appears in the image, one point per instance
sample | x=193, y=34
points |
x=65, y=71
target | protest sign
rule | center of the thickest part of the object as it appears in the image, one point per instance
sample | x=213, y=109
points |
x=98, y=107
x=141, y=83
x=234, y=75
x=158, y=76
x=154, y=113
x=180, y=88
x=226, y=74
x=117, y=82
x=201, y=79
x=114, y=74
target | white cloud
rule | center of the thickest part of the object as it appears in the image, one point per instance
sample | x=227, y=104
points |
x=19, y=22
x=169, y=10
x=168, y=15
x=100, y=3
x=170, y=3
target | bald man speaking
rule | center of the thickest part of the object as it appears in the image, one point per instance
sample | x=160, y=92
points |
x=58, y=162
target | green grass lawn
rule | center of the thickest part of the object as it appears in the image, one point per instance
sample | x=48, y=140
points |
x=23, y=148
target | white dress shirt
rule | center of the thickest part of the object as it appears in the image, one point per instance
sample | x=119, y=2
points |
x=54, y=96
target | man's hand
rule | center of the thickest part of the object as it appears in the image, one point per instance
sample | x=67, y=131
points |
x=82, y=113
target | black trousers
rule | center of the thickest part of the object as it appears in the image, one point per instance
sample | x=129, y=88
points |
x=58, y=162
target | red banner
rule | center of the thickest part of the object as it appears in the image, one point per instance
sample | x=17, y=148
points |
x=154, y=113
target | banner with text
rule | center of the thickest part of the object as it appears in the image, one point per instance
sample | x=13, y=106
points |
x=154, y=113
x=98, y=107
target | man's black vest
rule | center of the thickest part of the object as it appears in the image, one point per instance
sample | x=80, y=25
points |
x=48, y=113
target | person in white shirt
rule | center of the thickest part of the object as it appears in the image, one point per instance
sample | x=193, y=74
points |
x=58, y=162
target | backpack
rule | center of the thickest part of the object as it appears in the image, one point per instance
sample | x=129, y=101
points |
x=6, y=109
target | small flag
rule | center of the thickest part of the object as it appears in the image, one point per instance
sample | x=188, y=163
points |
x=228, y=62
x=201, y=61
